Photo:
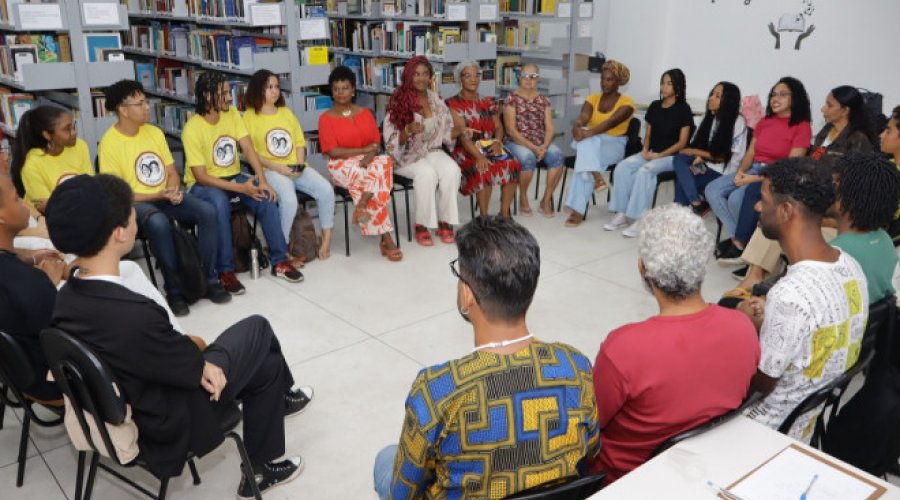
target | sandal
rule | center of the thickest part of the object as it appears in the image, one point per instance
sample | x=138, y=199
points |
x=445, y=233
x=423, y=236
x=525, y=210
x=547, y=212
x=574, y=220
x=392, y=253
x=360, y=215
x=737, y=293
x=600, y=184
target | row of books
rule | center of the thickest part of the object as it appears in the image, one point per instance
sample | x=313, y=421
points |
x=537, y=6
x=521, y=34
x=386, y=73
x=13, y=105
x=398, y=36
x=508, y=70
x=176, y=78
x=169, y=116
x=187, y=41
x=315, y=101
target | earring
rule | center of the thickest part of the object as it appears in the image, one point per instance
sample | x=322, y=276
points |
x=464, y=312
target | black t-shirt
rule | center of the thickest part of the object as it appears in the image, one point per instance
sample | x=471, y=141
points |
x=666, y=123
x=27, y=297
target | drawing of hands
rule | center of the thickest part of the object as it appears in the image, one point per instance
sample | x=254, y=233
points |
x=804, y=35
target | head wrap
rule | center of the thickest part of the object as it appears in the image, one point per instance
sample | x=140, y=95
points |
x=619, y=70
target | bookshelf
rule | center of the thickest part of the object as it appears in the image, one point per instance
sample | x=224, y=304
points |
x=67, y=78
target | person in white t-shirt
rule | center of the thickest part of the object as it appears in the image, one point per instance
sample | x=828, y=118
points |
x=813, y=319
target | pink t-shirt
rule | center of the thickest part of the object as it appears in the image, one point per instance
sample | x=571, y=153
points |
x=663, y=376
x=775, y=138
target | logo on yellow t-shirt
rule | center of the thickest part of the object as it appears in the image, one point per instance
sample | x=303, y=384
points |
x=278, y=142
x=149, y=169
x=224, y=151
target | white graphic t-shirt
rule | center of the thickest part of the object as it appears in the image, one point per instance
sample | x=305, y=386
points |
x=812, y=332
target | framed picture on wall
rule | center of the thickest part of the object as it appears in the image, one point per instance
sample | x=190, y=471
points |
x=96, y=43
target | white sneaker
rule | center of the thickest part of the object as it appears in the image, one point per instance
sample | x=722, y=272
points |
x=617, y=222
x=633, y=230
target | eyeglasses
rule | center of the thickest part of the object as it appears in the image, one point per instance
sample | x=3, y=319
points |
x=531, y=76
x=779, y=94
x=460, y=278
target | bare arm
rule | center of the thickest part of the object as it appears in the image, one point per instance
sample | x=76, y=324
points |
x=549, y=128
x=797, y=153
x=762, y=384
x=498, y=127
x=338, y=153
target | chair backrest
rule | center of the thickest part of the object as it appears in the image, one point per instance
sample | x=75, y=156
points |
x=16, y=371
x=879, y=325
x=88, y=383
x=634, y=145
x=573, y=489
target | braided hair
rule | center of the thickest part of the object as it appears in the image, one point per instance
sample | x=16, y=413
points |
x=404, y=101
x=208, y=90
x=869, y=187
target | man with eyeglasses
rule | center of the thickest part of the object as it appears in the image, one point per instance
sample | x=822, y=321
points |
x=137, y=152
x=516, y=412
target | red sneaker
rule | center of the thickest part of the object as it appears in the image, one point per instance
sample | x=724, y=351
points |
x=287, y=272
x=231, y=284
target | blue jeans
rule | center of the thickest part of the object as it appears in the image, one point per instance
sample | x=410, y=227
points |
x=310, y=182
x=748, y=217
x=594, y=154
x=725, y=198
x=266, y=212
x=157, y=228
x=635, y=183
x=688, y=185
x=384, y=471
x=553, y=158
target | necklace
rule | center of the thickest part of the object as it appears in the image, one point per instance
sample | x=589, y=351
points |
x=502, y=343
x=347, y=112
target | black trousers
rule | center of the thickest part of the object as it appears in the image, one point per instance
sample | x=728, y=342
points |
x=257, y=374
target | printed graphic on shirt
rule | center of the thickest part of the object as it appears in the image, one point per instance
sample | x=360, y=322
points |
x=224, y=151
x=149, y=169
x=279, y=143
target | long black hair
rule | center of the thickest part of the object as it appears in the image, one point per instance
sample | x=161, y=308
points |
x=207, y=89
x=679, y=83
x=800, y=107
x=859, y=119
x=719, y=146
x=30, y=135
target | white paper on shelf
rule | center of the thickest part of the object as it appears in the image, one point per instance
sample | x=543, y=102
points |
x=488, y=11
x=586, y=9
x=789, y=473
x=313, y=28
x=265, y=14
x=100, y=14
x=564, y=10
x=584, y=29
x=457, y=12
x=41, y=16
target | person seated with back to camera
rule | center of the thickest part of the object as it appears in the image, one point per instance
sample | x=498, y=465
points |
x=126, y=322
x=679, y=369
x=535, y=398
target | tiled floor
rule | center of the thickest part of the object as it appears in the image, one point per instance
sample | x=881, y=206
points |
x=358, y=330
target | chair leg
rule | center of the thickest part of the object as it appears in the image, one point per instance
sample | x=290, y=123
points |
x=346, y=229
x=163, y=486
x=79, y=474
x=594, y=198
x=194, y=473
x=396, y=227
x=472, y=205
x=92, y=473
x=562, y=188
x=537, y=181
x=23, y=449
x=146, y=249
x=245, y=461
x=718, y=231
x=516, y=204
x=408, y=223
x=655, y=193
x=2, y=409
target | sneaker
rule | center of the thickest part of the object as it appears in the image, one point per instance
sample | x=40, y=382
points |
x=722, y=246
x=297, y=400
x=231, y=284
x=617, y=222
x=740, y=273
x=731, y=256
x=288, y=272
x=178, y=304
x=633, y=230
x=270, y=475
x=216, y=294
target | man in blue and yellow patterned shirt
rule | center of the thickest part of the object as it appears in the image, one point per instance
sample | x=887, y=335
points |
x=516, y=412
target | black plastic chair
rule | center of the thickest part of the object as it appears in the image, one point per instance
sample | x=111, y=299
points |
x=404, y=184
x=879, y=330
x=574, y=488
x=830, y=397
x=16, y=374
x=91, y=387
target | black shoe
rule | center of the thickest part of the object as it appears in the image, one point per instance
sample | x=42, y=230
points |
x=731, y=256
x=216, y=294
x=270, y=475
x=701, y=210
x=297, y=400
x=740, y=273
x=722, y=246
x=178, y=305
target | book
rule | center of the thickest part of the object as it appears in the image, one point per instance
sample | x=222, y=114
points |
x=94, y=41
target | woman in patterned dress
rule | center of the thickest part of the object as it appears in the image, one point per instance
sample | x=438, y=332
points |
x=479, y=151
x=349, y=136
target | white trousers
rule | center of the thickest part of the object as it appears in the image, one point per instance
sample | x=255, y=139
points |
x=436, y=172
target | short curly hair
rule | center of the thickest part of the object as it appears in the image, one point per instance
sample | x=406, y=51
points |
x=466, y=63
x=804, y=180
x=869, y=187
x=674, y=246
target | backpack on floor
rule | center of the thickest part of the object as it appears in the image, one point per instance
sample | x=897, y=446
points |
x=191, y=272
x=304, y=242
x=241, y=241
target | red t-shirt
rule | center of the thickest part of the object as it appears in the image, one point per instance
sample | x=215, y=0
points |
x=663, y=376
x=357, y=131
x=775, y=138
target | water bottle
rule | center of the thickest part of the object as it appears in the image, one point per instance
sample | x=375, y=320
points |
x=254, y=263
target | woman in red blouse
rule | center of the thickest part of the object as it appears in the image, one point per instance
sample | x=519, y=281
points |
x=349, y=137
x=479, y=151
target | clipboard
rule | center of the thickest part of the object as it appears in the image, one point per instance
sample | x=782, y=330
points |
x=877, y=492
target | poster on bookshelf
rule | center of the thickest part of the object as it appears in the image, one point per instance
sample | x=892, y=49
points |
x=40, y=16
x=100, y=13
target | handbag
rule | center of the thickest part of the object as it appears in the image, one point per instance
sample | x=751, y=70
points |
x=484, y=146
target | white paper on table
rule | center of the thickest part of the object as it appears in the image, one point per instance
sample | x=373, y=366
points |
x=100, y=14
x=313, y=28
x=564, y=10
x=265, y=14
x=787, y=475
x=457, y=12
x=40, y=16
x=488, y=11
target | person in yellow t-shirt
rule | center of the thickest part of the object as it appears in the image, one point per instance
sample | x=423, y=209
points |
x=213, y=173
x=46, y=152
x=137, y=152
x=279, y=142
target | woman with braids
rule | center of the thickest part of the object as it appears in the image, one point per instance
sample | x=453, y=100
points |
x=47, y=151
x=349, y=137
x=669, y=126
x=718, y=147
x=479, y=151
x=416, y=126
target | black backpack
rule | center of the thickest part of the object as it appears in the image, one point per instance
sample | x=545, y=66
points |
x=191, y=272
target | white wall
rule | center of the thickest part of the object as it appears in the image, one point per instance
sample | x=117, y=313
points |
x=854, y=43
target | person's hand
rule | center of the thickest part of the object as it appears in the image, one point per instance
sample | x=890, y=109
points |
x=39, y=256
x=482, y=163
x=414, y=128
x=697, y=160
x=173, y=195
x=740, y=179
x=213, y=380
x=539, y=152
x=755, y=309
x=268, y=191
x=578, y=133
x=471, y=132
x=252, y=190
x=647, y=155
x=373, y=148
x=366, y=160
x=496, y=148
x=55, y=269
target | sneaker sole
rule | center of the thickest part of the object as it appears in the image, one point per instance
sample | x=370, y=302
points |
x=285, y=278
x=734, y=261
x=239, y=292
x=286, y=480
x=613, y=228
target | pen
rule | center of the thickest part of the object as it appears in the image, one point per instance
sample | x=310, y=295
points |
x=806, y=492
x=722, y=491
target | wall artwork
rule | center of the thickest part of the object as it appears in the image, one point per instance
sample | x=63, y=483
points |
x=790, y=22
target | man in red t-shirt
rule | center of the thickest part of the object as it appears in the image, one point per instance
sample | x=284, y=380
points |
x=676, y=370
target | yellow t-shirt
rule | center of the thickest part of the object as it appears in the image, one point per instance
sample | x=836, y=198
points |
x=41, y=172
x=213, y=146
x=140, y=160
x=598, y=117
x=275, y=137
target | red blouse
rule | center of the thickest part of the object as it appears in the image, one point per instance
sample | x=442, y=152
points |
x=357, y=131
